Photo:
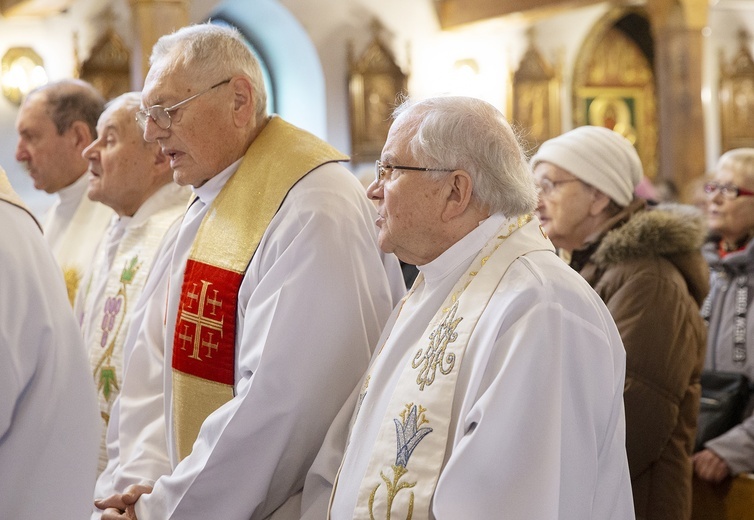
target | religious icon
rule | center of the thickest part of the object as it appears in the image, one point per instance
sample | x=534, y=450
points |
x=615, y=113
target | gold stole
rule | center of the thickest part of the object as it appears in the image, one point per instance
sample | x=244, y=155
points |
x=412, y=442
x=204, y=337
x=8, y=195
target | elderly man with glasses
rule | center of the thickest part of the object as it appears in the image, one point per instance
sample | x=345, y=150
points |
x=647, y=266
x=497, y=388
x=275, y=293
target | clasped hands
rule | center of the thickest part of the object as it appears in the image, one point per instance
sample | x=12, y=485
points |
x=121, y=506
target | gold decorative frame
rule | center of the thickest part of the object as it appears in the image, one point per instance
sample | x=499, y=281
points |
x=534, y=102
x=375, y=85
x=736, y=97
x=108, y=67
x=619, y=109
x=612, y=70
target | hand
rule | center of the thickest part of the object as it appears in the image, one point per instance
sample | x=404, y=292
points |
x=710, y=467
x=121, y=507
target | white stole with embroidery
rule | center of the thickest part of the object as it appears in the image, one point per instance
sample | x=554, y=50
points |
x=411, y=445
x=112, y=286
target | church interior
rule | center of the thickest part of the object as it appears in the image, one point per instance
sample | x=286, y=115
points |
x=674, y=76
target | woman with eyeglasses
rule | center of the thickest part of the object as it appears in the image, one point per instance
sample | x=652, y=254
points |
x=727, y=309
x=647, y=267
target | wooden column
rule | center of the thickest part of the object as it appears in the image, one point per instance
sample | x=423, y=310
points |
x=152, y=19
x=677, y=29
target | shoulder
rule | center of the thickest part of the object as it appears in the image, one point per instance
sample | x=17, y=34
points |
x=329, y=189
x=541, y=279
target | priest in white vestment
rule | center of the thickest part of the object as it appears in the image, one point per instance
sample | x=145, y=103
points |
x=496, y=390
x=48, y=412
x=276, y=294
x=55, y=123
x=133, y=178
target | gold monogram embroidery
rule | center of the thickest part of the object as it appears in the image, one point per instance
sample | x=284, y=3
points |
x=436, y=356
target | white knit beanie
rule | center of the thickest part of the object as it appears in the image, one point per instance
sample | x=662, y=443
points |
x=599, y=157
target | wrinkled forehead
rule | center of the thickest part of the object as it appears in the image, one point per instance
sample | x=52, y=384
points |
x=118, y=115
x=35, y=107
x=402, y=131
x=165, y=85
x=735, y=174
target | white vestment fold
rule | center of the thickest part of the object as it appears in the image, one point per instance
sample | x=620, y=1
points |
x=536, y=427
x=311, y=306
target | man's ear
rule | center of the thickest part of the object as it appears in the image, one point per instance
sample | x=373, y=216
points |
x=600, y=202
x=243, y=100
x=81, y=135
x=458, y=190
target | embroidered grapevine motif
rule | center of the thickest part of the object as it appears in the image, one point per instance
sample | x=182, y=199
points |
x=408, y=436
x=436, y=356
x=105, y=373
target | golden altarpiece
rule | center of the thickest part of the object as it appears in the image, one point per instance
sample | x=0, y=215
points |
x=737, y=98
x=375, y=85
x=108, y=66
x=613, y=86
x=534, y=101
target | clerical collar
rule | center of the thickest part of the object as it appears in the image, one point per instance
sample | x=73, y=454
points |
x=463, y=251
x=209, y=190
x=73, y=193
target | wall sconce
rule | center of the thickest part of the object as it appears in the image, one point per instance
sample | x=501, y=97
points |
x=22, y=71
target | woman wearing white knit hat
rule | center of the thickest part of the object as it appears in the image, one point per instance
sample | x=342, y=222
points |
x=647, y=267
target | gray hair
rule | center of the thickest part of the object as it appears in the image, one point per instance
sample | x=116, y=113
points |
x=129, y=100
x=739, y=160
x=471, y=135
x=71, y=100
x=213, y=51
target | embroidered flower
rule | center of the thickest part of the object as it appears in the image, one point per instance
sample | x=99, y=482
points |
x=409, y=434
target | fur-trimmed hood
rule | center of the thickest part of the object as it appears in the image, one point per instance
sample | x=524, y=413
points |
x=675, y=232
x=665, y=230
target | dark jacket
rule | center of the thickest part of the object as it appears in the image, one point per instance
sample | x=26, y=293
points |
x=647, y=266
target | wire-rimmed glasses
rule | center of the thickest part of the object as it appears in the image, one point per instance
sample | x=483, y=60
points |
x=382, y=170
x=161, y=115
x=728, y=191
x=546, y=186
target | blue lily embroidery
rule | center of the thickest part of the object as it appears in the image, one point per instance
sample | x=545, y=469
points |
x=409, y=433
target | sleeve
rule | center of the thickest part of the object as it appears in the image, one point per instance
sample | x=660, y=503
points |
x=545, y=438
x=324, y=470
x=736, y=447
x=663, y=350
x=310, y=312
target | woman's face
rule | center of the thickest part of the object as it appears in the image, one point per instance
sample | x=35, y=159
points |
x=732, y=219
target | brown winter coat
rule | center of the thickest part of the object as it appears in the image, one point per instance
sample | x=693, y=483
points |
x=647, y=267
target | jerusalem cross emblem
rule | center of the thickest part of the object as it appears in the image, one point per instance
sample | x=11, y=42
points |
x=204, y=339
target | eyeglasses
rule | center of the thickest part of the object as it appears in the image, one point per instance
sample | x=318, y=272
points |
x=546, y=186
x=386, y=170
x=161, y=115
x=729, y=191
